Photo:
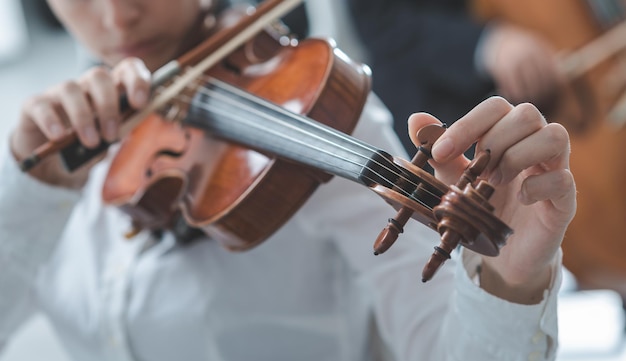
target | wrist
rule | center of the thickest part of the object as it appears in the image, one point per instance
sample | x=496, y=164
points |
x=527, y=291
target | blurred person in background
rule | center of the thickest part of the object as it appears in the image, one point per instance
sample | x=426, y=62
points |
x=435, y=56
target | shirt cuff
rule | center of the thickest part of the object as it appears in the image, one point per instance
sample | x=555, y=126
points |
x=33, y=215
x=513, y=331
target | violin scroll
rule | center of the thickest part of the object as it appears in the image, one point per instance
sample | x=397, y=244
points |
x=465, y=217
x=427, y=137
x=462, y=216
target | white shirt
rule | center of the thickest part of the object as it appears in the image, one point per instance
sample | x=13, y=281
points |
x=313, y=291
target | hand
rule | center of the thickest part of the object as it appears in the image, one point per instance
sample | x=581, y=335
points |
x=535, y=191
x=522, y=65
x=89, y=105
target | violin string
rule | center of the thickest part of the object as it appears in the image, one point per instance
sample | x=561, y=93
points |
x=278, y=109
x=217, y=95
x=226, y=99
x=257, y=100
x=226, y=114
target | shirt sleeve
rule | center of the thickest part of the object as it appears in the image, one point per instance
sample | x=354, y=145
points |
x=451, y=318
x=32, y=217
x=508, y=331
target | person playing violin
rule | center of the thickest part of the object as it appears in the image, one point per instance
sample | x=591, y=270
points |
x=313, y=290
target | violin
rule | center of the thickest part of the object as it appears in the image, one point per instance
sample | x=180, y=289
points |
x=262, y=127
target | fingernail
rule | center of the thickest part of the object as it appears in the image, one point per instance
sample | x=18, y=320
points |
x=144, y=73
x=522, y=196
x=141, y=98
x=91, y=136
x=442, y=149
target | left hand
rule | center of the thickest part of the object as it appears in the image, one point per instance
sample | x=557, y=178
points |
x=535, y=190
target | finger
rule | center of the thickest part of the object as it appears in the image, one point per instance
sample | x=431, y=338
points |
x=547, y=75
x=77, y=106
x=548, y=147
x=554, y=80
x=556, y=186
x=470, y=128
x=42, y=113
x=529, y=80
x=98, y=83
x=452, y=168
x=134, y=78
x=540, y=79
x=418, y=121
x=519, y=123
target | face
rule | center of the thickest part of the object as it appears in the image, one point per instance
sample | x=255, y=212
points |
x=156, y=31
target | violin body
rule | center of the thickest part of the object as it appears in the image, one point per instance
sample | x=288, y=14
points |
x=237, y=195
x=594, y=246
x=244, y=127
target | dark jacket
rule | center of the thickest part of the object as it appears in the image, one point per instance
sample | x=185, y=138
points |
x=422, y=56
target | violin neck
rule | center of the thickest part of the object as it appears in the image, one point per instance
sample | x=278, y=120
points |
x=229, y=113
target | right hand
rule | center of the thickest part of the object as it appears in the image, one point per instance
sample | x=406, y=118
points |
x=523, y=66
x=89, y=105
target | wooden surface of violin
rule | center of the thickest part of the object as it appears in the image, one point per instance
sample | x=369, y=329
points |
x=229, y=192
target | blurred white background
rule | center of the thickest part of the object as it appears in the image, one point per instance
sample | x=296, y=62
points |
x=36, y=53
